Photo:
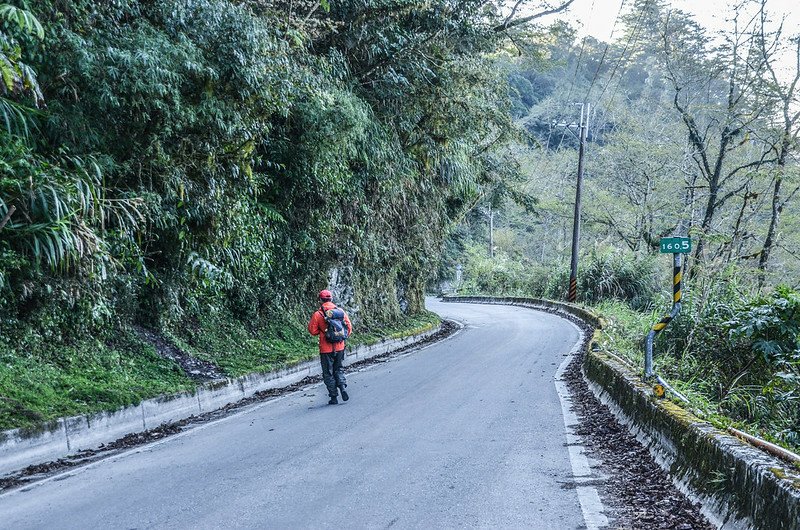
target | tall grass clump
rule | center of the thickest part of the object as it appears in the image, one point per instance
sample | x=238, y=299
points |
x=736, y=355
x=604, y=275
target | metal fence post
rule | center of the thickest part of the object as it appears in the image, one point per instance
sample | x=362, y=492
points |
x=677, y=276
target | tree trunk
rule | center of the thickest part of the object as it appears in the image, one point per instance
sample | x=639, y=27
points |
x=769, y=241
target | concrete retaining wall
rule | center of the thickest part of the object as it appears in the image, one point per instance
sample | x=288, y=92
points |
x=738, y=485
x=59, y=438
x=533, y=303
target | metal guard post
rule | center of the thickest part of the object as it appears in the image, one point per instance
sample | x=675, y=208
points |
x=677, y=275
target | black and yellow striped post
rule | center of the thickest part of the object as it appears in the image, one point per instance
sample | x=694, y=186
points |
x=677, y=294
x=573, y=290
x=677, y=276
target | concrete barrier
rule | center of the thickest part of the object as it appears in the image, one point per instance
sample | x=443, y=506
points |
x=59, y=438
x=534, y=303
x=83, y=432
x=738, y=485
x=22, y=447
x=174, y=407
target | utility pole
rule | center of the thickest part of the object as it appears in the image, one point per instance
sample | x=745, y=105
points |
x=576, y=222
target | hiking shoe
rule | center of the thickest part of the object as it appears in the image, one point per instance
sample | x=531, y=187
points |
x=345, y=397
x=333, y=401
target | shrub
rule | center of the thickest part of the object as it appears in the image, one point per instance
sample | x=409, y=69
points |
x=615, y=275
x=742, y=354
x=605, y=275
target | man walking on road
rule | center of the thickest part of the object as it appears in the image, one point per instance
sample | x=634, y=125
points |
x=333, y=327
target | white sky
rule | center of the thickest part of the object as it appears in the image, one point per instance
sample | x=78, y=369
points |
x=596, y=17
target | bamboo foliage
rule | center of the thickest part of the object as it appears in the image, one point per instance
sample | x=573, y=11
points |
x=63, y=212
x=231, y=153
x=16, y=77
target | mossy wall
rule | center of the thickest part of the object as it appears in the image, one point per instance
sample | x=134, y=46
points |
x=734, y=480
x=738, y=485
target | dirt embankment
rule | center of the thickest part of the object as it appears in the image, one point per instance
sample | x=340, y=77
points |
x=196, y=369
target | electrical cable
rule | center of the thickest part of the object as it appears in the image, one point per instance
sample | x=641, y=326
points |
x=632, y=40
x=550, y=162
x=605, y=52
x=575, y=77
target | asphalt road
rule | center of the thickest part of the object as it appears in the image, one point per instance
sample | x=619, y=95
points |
x=468, y=432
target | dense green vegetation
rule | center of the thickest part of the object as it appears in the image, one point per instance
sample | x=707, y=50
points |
x=86, y=375
x=203, y=167
x=734, y=358
x=232, y=346
x=690, y=134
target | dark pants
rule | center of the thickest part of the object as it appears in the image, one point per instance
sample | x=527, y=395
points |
x=332, y=372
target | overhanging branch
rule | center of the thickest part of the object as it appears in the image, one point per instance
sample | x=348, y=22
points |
x=511, y=22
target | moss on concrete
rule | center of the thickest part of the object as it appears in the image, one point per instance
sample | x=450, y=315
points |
x=729, y=474
x=714, y=464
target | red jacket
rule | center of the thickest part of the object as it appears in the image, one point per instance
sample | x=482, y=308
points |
x=317, y=326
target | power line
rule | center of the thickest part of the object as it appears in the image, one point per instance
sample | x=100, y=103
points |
x=575, y=76
x=569, y=93
x=550, y=162
x=605, y=52
x=566, y=102
x=577, y=66
x=632, y=39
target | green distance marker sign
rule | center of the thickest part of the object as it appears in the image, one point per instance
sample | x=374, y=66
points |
x=676, y=245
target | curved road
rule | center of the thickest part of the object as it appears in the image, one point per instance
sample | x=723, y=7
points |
x=468, y=432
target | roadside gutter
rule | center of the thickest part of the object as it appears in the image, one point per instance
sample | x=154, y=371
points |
x=60, y=438
x=738, y=485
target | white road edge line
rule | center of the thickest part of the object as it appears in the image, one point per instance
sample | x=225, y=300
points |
x=589, y=498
